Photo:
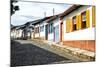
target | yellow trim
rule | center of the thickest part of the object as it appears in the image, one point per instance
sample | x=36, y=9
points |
x=77, y=22
x=71, y=25
x=87, y=18
x=80, y=21
x=67, y=25
x=93, y=16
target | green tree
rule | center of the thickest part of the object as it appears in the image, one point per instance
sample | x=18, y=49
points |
x=13, y=8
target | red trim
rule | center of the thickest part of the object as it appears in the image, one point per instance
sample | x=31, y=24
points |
x=82, y=44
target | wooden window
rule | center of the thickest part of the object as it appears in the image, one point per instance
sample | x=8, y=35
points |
x=51, y=27
x=35, y=30
x=48, y=28
x=93, y=16
x=42, y=28
x=74, y=23
x=38, y=30
x=84, y=20
x=87, y=18
x=69, y=25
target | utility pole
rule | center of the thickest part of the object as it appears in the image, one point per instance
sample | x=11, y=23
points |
x=44, y=14
x=53, y=11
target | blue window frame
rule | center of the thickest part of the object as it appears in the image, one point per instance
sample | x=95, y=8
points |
x=50, y=26
x=42, y=28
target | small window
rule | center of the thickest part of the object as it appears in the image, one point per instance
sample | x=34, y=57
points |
x=84, y=20
x=48, y=28
x=38, y=30
x=74, y=23
x=35, y=30
x=42, y=28
x=51, y=27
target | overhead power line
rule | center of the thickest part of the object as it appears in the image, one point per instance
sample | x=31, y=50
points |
x=39, y=2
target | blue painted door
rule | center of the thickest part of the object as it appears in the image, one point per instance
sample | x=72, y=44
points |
x=46, y=32
x=56, y=34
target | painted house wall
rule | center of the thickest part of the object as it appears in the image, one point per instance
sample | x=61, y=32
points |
x=56, y=30
x=19, y=33
x=37, y=35
x=81, y=38
x=50, y=35
x=32, y=35
x=84, y=34
x=13, y=33
x=42, y=33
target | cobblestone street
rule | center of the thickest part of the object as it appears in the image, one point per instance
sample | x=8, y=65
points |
x=23, y=54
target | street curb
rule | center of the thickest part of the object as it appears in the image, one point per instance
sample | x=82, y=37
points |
x=81, y=55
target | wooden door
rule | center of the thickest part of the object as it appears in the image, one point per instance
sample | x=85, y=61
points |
x=61, y=31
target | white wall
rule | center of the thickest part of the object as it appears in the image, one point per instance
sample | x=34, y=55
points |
x=85, y=34
x=32, y=35
x=19, y=33
x=42, y=33
x=56, y=23
x=37, y=34
x=13, y=34
x=50, y=36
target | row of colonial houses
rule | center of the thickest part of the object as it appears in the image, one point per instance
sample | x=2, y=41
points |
x=74, y=27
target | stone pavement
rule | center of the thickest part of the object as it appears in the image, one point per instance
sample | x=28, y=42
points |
x=74, y=54
x=24, y=52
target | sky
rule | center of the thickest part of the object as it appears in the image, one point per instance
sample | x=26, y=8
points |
x=30, y=11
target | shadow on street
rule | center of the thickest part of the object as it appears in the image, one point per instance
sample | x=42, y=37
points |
x=29, y=54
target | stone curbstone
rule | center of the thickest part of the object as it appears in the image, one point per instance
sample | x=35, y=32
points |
x=68, y=50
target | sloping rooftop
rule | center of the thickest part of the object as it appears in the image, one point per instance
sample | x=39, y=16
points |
x=69, y=10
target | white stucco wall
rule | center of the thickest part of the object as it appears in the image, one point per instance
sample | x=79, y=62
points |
x=57, y=23
x=19, y=33
x=85, y=34
x=37, y=34
x=14, y=34
x=42, y=33
x=50, y=36
x=32, y=35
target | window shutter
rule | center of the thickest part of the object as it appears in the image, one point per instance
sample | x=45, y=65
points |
x=80, y=21
x=93, y=16
x=67, y=25
x=87, y=18
x=71, y=25
x=77, y=22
